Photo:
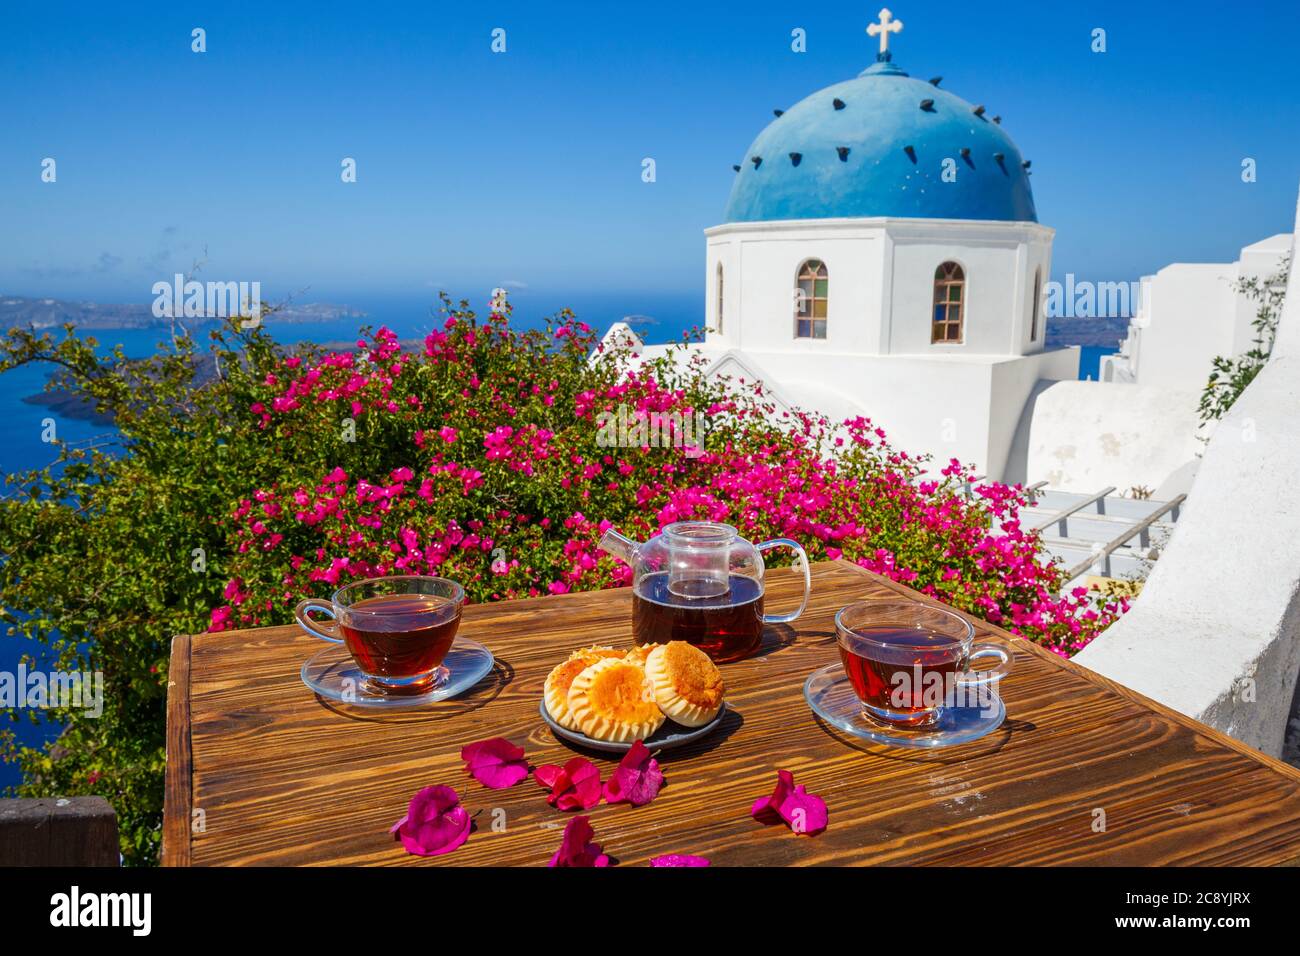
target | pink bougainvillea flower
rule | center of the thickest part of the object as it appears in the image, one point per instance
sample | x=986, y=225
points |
x=435, y=823
x=576, y=848
x=800, y=810
x=495, y=763
x=637, y=779
x=575, y=786
x=678, y=859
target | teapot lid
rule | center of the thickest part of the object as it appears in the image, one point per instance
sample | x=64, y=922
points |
x=701, y=533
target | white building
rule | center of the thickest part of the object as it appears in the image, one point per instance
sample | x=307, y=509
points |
x=1191, y=313
x=880, y=255
x=1140, y=426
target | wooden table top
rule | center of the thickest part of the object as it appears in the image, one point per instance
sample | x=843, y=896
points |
x=276, y=777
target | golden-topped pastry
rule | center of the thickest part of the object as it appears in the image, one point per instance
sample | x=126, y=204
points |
x=613, y=700
x=556, y=691
x=687, y=684
x=638, y=654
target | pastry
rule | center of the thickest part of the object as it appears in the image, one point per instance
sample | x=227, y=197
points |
x=687, y=685
x=612, y=700
x=556, y=690
x=638, y=654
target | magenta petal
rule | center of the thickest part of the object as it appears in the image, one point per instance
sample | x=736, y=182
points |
x=801, y=811
x=768, y=809
x=578, y=787
x=495, y=763
x=637, y=779
x=435, y=823
x=576, y=848
x=804, y=812
x=547, y=774
x=678, y=859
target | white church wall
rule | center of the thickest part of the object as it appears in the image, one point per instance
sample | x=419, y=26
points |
x=872, y=263
x=1012, y=383
x=1029, y=336
x=761, y=262
x=991, y=293
x=725, y=331
x=1215, y=633
x=998, y=260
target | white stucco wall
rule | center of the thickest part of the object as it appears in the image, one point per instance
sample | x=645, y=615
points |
x=1085, y=436
x=881, y=284
x=951, y=400
x=1215, y=633
x=1191, y=313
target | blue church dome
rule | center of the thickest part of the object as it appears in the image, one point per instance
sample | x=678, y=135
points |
x=876, y=145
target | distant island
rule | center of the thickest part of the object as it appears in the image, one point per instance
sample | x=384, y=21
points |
x=36, y=314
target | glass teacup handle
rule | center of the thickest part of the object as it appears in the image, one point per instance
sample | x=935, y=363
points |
x=990, y=675
x=801, y=561
x=326, y=632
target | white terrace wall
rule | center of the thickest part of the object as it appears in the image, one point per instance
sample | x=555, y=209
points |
x=1216, y=631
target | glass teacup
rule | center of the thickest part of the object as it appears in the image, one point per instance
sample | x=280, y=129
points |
x=907, y=661
x=397, y=629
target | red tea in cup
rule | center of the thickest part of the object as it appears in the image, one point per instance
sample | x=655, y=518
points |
x=400, y=635
x=397, y=629
x=907, y=660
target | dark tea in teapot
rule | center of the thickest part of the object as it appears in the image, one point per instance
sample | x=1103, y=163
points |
x=701, y=582
x=725, y=626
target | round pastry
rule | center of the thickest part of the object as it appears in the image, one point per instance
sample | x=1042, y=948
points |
x=558, y=681
x=613, y=700
x=638, y=654
x=687, y=685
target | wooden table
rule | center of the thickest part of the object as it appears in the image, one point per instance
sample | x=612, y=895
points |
x=276, y=776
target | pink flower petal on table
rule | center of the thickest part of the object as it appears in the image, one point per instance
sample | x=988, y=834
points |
x=582, y=785
x=495, y=763
x=435, y=823
x=637, y=779
x=768, y=809
x=801, y=811
x=678, y=859
x=576, y=848
x=547, y=774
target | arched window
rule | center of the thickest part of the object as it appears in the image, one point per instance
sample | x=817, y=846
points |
x=720, y=300
x=949, y=302
x=810, y=301
x=1038, y=298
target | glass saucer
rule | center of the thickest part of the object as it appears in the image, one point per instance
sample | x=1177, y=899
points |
x=332, y=674
x=831, y=697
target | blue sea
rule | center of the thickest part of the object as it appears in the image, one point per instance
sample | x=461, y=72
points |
x=1090, y=361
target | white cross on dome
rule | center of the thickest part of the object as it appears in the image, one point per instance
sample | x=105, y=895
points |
x=884, y=28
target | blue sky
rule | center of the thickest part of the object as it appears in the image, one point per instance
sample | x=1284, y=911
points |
x=477, y=168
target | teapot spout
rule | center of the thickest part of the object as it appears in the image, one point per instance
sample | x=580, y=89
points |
x=620, y=546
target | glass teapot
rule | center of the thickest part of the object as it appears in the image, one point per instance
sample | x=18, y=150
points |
x=702, y=583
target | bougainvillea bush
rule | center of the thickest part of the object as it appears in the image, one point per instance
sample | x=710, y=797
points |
x=251, y=476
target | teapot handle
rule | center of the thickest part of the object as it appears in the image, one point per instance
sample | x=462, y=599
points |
x=801, y=561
